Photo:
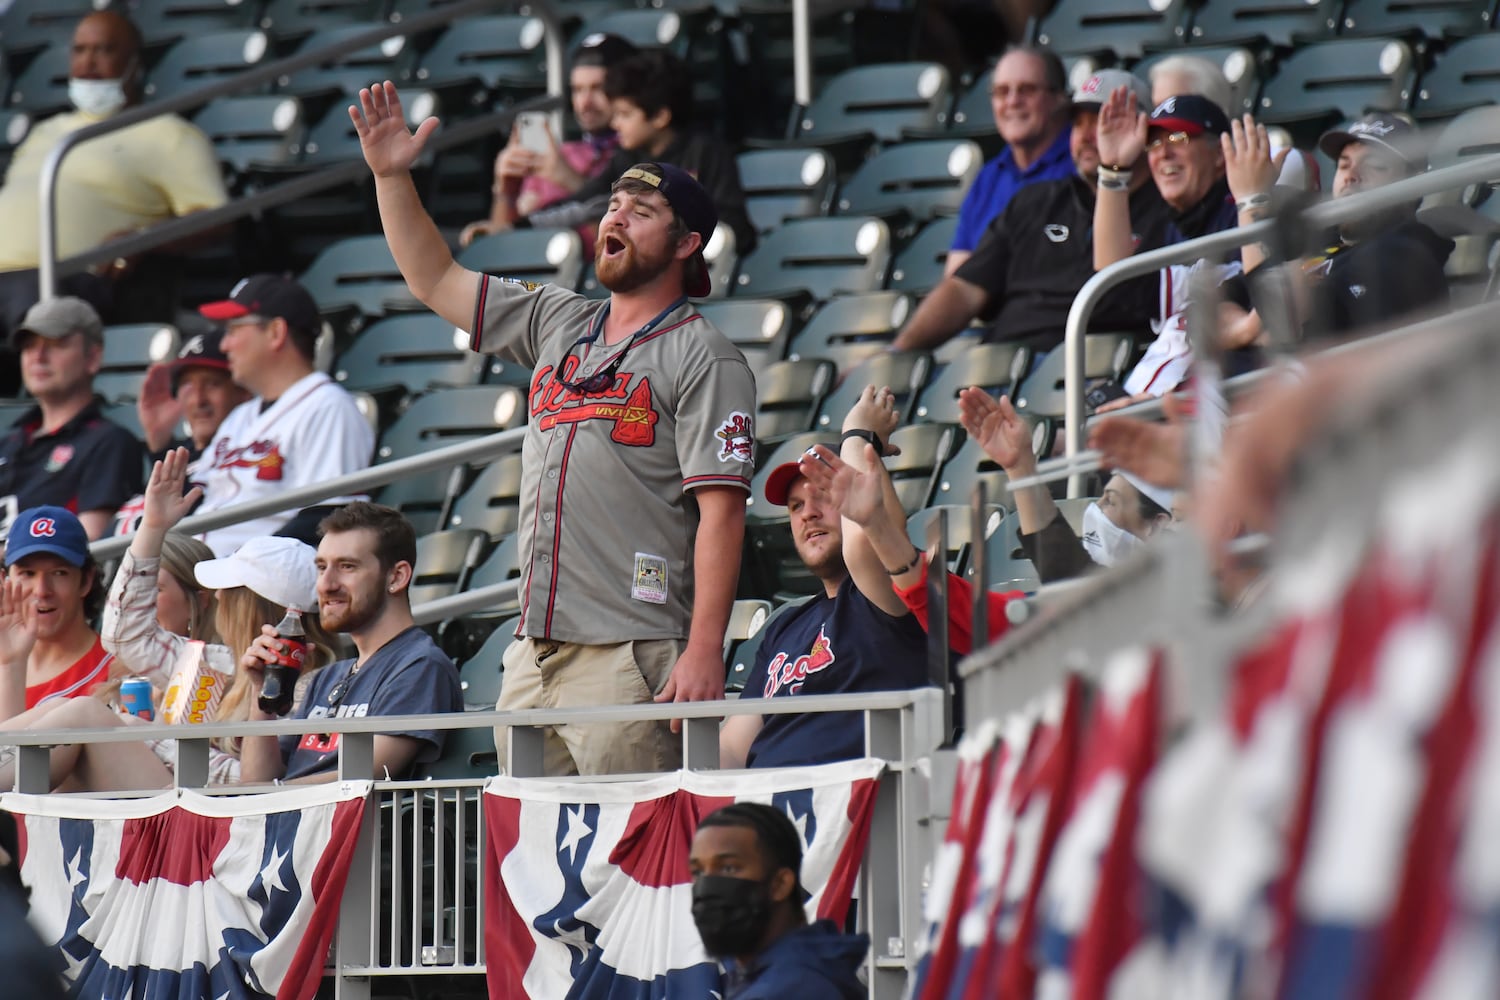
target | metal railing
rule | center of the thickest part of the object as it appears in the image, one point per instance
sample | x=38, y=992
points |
x=1316, y=217
x=408, y=913
x=47, y=263
x=1164, y=596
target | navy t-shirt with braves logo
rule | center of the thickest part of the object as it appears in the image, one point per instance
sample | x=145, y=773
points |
x=89, y=463
x=409, y=675
x=838, y=645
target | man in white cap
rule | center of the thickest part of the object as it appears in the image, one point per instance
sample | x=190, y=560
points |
x=1039, y=251
x=64, y=451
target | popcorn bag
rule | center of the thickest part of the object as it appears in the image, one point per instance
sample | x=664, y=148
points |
x=197, y=685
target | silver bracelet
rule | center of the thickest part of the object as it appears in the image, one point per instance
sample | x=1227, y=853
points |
x=1252, y=201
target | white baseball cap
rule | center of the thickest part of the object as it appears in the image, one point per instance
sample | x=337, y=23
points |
x=279, y=569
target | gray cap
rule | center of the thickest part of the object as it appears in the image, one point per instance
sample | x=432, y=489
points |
x=1094, y=91
x=56, y=318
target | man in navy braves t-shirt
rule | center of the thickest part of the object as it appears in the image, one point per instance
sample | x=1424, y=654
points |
x=365, y=560
x=855, y=636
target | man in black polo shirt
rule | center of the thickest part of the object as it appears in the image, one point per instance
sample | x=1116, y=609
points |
x=1035, y=255
x=63, y=452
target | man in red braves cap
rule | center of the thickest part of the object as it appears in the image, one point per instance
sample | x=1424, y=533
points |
x=51, y=590
x=855, y=636
x=300, y=428
x=637, y=458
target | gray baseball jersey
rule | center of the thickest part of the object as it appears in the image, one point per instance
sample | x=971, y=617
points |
x=607, y=517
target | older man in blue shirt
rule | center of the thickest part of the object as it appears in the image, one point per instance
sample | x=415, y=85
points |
x=1029, y=98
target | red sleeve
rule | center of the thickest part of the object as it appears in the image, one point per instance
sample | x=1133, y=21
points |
x=960, y=609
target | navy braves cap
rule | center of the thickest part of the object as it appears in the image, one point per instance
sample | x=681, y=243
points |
x=1394, y=133
x=1190, y=113
x=271, y=296
x=206, y=350
x=693, y=206
x=53, y=530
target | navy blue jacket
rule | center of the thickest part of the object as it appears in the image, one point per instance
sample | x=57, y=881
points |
x=815, y=962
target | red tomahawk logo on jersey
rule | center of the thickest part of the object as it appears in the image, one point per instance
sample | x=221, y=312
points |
x=634, y=417
x=262, y=456
x=783, y=674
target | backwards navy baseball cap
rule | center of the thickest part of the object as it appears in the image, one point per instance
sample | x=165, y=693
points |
x=206, y=350
x=271, y=296
x=693, y=206
x=1190, y=113
x=53, y=530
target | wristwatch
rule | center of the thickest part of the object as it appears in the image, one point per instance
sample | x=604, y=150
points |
x=865, y=435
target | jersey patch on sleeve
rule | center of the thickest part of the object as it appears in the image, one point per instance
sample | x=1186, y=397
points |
x=737, y=437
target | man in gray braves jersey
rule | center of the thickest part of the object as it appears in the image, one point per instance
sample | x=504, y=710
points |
x=637, y=459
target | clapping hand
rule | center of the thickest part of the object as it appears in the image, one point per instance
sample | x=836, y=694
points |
x=1121, y=136
x=1248, y=165
x=855, y=493
x=17, y=623
x=999, y=429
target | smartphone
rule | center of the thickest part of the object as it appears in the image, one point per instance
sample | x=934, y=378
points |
x=531, y=126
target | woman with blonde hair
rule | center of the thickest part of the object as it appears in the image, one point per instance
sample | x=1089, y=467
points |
x=169, y=596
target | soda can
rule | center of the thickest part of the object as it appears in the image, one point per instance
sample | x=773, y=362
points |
x=135, y=698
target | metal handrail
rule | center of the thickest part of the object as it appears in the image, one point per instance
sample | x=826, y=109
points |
x=873, y=701
x=47, y=263
x=1316, y=217
x=479, y=449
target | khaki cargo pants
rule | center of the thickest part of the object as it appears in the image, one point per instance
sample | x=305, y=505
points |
x=542, y=673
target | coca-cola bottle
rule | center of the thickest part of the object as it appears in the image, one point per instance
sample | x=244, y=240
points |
x=281, y=676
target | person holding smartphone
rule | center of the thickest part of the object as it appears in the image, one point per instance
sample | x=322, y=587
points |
x=534, y=169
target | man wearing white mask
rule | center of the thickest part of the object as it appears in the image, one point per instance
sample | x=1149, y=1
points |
x=115, y=184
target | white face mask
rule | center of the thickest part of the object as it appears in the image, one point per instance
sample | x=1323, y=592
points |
x=1106, y=544
x=97, y=97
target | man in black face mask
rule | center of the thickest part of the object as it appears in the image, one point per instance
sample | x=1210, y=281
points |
x=747, y=903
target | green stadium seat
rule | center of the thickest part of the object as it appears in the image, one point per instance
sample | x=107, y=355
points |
x=783, y=184
x=995, y=367
x=41, y=89
x=295, y=19
x=200, y=60
x=479, y=60
x=918, y=268
x=788, y=394
x=1274, y=23
x=817, y=259
x=492, y=502
x=760, y=328
x=1417, y=20
x=444, y=561
x=163, y=23
x=906, y=373
x=1319, y=84
x=851, y=328
x=255, y=133
x=130, y=349
x=1466, y=75
x=1241, y=68
x=546, y=256
x=410, y=355
x=911, y=183
x=28, y=26
x=1119, y=29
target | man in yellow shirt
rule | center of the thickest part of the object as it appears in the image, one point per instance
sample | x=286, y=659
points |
x=123, y=181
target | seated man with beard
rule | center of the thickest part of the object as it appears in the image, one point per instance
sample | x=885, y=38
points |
x=637, y=457
x=365, y=560
x=856, y=636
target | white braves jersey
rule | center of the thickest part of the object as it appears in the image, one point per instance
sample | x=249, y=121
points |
x=312, y=433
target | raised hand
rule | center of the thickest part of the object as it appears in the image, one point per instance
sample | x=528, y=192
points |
x=854, y=493
x=389, y=146
x=1000, y=431
x=875, y=410
x=157, y=408
x=1122, y=129
x=17, y=623
x=1248, y=164
x=166, y=503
